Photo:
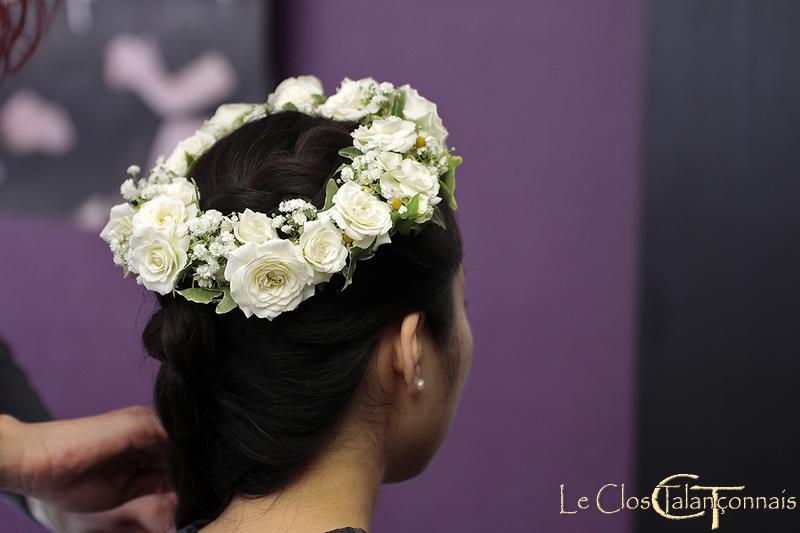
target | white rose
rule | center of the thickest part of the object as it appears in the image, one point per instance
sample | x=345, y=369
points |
x=299, y=91
x=181, y=188
x=119, y=223
x=158, y=261
x=348, y=102
x=408, y=178
x=226, y=118
x=388, y=134
x=322, y=246
x=165, y=215
x=423, y=112
x=268, y=279
x=254, y=227
x=362, y=216
x=193, y=147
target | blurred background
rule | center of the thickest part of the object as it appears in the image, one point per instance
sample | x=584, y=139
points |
x=628, y=204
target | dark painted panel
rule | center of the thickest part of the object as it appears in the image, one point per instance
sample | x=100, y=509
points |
x=720, y=299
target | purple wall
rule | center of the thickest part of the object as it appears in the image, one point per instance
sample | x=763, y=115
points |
x=73, y=322
x=542, y=100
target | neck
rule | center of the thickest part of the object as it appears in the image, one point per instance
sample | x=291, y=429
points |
x=338, y=490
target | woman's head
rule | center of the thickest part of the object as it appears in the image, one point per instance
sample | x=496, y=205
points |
x=249, y=403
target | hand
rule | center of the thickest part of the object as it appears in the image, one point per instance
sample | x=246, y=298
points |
x=87, y=464
x=148, y=514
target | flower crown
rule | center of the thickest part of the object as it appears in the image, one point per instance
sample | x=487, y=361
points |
x=400, y=169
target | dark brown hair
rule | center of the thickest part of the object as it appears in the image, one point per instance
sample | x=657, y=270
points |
x=248, y=402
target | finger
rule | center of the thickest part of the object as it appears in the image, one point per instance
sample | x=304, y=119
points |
x=153, y=514
x=146, y=482
x=114, y=433
x=149, y=514
x=138, y=423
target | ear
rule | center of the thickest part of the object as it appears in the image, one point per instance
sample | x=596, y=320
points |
x=407, y=349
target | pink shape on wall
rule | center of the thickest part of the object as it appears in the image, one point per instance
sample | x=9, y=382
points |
x=29, y=124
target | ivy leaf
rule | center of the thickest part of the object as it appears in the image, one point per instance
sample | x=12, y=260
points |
x=350, y=268
x=330, y=190
x=438, y=218
x=227, y=303
x=288, y=106
x=318, y=99
x=398, y=103
x=350, y=152
x=356, y=254
x=200, y=295
x=448, y=182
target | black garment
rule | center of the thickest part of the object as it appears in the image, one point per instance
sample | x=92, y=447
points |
x=194, y=528
x=20, y=400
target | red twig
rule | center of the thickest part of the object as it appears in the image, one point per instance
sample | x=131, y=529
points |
x=22, y=25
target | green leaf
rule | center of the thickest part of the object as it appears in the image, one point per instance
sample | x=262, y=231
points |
x=351, y=152
x=330, y=190
x=189, y=163
x=318, y=99
x=448, y=182
x=412, y=209
x=227, y=303
x=438, y=218
x=288, y=106
x=356, y=254
x=200, y=295
x=404, y=227
x=398, y=103
x=349, y=269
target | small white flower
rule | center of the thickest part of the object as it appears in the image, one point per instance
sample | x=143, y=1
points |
x=129, y=190
x=158, y=261
x=409, y=178
x=347, y=174
x=294, y=205
x=362, y=216
x=278, y=221
x=166, y=215
x=353, y=100
x=200, y=251
x=299, y=218
x=387, y=134
x=206, y=283
x=322, y=246
x=254, y=227
x=208, y=222
x=424, y=113
x=119, y=223
x=270, y=278
x=299, y=91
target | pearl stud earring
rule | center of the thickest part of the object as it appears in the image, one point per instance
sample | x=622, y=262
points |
x=420, y=384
